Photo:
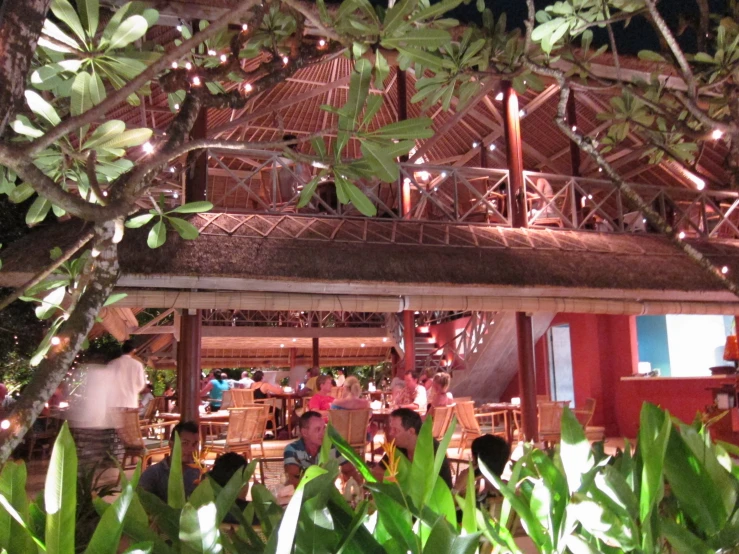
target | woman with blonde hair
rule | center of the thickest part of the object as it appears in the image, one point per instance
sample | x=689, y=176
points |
x=352, y=396
x=439, y=396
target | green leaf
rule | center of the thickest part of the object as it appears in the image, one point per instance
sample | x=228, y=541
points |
x=443, y=540
x=14, y=535
x=22, y=125
x=60, y=495
x=192, y=208
x=360, y=200
x=683, y=540
x=157, y=235
x=175, y=485
x=113, y=298
x=185, y=229
x=650, y=56
x=97, y=89
x=575, y=450
x=199, y=530
x=62, y=41
x=435, y=10
x=132, y=137
x=396, y=15
x=108, y=532
x=416, y=128
x=80, y=101
x=130, y=30
x=89, y=15
x=42, y=108
x=104, y=133
x=21, y=193
x=382, y=70
x=139, y=221
x=385, y=166
x=359, y=83
x=307, y=193
x=428, y=59
x=654, y=434
x=38, y=211
x=63, y=10
x=419, y=38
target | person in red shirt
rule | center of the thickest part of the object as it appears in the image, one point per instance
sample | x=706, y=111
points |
x=321, y=401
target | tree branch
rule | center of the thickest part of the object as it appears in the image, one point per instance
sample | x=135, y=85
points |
x=36, y=279
x=52, y=370
x=114, y=99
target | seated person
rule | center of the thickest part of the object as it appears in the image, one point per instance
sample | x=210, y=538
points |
x=223, y=469
x=215, y=389
x=403, y=428
x=303, y=453
x=494, y=452
x=440, y=396
x=155, y=478
x=146, y=397
x=322, y=400
x=262, y=389
x=413, y=395
x=351, y=398
x=311, y=382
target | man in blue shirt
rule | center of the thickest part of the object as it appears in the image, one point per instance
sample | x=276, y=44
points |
x=156, y=477
x=303, y=453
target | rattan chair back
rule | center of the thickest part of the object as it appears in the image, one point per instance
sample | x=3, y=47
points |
x=442, y=417
x=352, y=426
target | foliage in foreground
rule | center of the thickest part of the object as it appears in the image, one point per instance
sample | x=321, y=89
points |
x=676, y=493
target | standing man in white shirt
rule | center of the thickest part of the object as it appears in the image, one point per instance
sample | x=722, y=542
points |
x=129, y=377
x=246, y=382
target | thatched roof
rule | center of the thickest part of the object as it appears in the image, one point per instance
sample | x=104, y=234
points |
x=530, y=262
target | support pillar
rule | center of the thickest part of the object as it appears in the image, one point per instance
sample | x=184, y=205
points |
x=316, y=355
x=574, y=154
x=409, y=340
x=527, y=376
x=519, y=218
x=188, y=366
x=405, y=187
x=196, y=179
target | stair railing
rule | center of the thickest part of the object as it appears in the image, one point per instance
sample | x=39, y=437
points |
x=457, y=350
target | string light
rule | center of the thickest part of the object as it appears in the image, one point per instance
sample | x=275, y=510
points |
x=724, y=270
x=491, y=147
x=176, y=195
x=717, y=134
x=475, y=144
x=211, y=52
x=176, y=106
x=244, y=27
x=188, y=66
x=171, y=169
x=282, y=346
x=196, y=81
x=681, y=235
x=321, y=43
x=148, y=147
x=362, y=345
x=5, y=424
x=224, y=58
x=175, y=65
x=248, y=87
x=285, y=60
x=521, y=113
x=179, y=28
x=574, y=128
x=56, y=341
x=499, y=96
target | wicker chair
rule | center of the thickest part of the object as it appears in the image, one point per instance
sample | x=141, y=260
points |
x=584, y=415
x=245, y=427
x=550, y=421
x=269, y=403
x=242, y=397
x=142, y=441
x=155, y=406
x=442, y=417
x=352, y=426
x=474, y=425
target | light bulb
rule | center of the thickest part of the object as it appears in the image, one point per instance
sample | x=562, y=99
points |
x=224, y=58
x=196, y=81
x=491, y=147
x=681, y=235
x=176, y=106
x=179, y=28
x=499, y=96
x=248, y=87
x=174, y=65
x=211, y=52
x=521, y=113
x=244, y=27
x=176, y=195
x=5, y=424
x=724, y=270
x=574, y=128
x=362, y=345
x=475, y=144
x=148, y=147
x=285, y=59
x=717, y=134
x=321, y=43
x=56, y=341
x=188, y=66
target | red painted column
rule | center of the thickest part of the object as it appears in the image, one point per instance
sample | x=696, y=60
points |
x=524, y=329
x=409, y=340
x=188, y=366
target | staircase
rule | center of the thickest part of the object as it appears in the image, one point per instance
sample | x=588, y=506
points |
x=425, y=346
x=490, y=368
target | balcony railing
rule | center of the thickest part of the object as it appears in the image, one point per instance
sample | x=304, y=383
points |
x=470, y=195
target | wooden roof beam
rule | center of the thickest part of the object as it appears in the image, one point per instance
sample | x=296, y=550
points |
x=227, y=331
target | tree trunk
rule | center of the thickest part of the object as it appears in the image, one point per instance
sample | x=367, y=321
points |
x=52, y=370
x=20, y=27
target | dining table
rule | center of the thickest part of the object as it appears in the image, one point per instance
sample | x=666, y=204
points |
x=206, y=418
x=509, y=408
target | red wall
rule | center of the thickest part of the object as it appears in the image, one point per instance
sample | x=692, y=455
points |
x=445, y=332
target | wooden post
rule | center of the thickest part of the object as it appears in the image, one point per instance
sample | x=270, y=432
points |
x=524, y=329
x=514, y=155
x=574, y=152
x=316, y=356
x=405, y=187
x=196, y=179
x=409, y=340
x=188, y=366
x=188, y=349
